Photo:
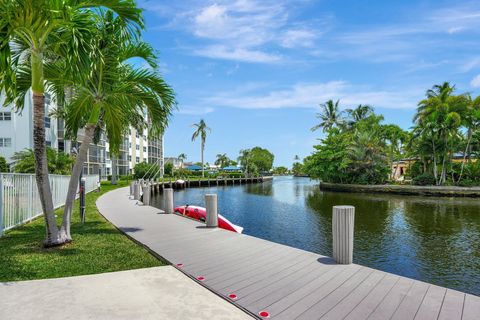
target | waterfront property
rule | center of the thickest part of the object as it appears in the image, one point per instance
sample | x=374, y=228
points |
x=271, y=280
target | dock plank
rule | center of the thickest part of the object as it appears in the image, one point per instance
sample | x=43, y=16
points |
x=287, y=282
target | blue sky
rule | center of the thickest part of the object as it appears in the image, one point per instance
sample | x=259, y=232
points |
x=256, y=70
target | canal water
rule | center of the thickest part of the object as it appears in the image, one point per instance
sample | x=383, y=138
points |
x=436, y=240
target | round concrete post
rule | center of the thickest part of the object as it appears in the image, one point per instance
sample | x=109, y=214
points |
x=132, y=187
x=342, y=233
x=168, y=200
x=212, y=210
x=146, y=195
x=136, y=191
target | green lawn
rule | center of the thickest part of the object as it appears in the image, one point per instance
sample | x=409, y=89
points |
x=97, y=247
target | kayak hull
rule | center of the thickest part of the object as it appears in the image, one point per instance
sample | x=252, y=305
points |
x=200, y=214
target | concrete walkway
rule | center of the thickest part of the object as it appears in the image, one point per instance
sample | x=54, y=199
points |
x=153, y=293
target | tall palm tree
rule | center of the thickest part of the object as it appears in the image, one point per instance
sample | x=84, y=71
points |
x=201, y=131
x=330, y=116
x=115, y=95
x=182, y=157
x=33, y=34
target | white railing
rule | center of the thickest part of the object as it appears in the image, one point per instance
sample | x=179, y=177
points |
x=19, y=201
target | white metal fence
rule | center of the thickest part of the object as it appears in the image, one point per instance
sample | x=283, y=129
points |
x=19, y=200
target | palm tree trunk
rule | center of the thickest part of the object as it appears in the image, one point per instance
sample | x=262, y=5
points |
x=73, y=184
x=203, y=166
x=40, y=152
x=114, y=170
x=435, y=164
x=467, y=148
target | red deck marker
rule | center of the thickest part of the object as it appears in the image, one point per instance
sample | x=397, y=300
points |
x=232, y=296
x=200, y=278
x=179, y=265
x=264, y=314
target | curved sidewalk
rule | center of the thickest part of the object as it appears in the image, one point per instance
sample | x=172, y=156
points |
x=281, y=282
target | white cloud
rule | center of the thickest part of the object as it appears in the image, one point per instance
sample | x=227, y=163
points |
x=298, y=37
x=475, y=82
x=238, y=54
x=309, y=95
x=195, y=110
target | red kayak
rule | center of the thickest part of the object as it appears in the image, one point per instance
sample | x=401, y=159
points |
x=200, y=213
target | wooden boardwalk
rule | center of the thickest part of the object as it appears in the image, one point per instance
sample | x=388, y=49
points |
x=288, y=283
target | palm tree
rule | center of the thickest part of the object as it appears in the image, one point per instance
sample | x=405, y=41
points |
x=201, y=131
x=34, y=33
x=182, y=157
x=244, y=159
x=440, y=114
x=329, y=116
x=361, y=112
x=222, y=160
x=115, y=95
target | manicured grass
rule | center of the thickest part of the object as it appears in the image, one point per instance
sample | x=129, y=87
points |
x=97, y=247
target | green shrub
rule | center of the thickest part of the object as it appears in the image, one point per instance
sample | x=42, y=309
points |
x=424, y=179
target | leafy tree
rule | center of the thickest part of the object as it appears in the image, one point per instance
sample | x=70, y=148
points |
x=330, y=116
x=261, y=158
x=201, y=129
x=280, y=170
x=144, y=170
x=3, y=165
x=298, y=169
x=58, y=162
x=168, y=169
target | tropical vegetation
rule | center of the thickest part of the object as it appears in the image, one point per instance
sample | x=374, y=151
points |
x=58, y=162
x=4, y=165
x=78, y=51
x=442, y=147
x=256, y=160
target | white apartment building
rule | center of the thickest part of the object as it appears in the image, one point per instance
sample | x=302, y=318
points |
x=16, y=134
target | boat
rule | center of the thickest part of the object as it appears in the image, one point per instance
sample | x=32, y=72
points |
x=200, y=214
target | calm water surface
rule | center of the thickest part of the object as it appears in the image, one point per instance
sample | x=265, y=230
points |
x=436, y=240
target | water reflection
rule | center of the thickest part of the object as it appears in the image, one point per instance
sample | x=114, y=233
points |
x=433, y=239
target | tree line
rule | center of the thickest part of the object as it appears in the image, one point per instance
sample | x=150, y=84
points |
x=441, y=148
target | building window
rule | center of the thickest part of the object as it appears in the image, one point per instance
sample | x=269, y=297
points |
x=144, y=149
x=129, y=158
x=129, y=144
x=138, y=159
x=138, y=147
x=5, y=142
x=47, y=122
x=136, y=135
x=5, y=116
x=108, y=155
x=144, y=137
x=49, y=143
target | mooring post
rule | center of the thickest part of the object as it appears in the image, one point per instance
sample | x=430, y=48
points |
x=342, y=233
x=212, y=210
x=132, y=187
x=146, y=195
x=168, y=200
x=136, y=191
